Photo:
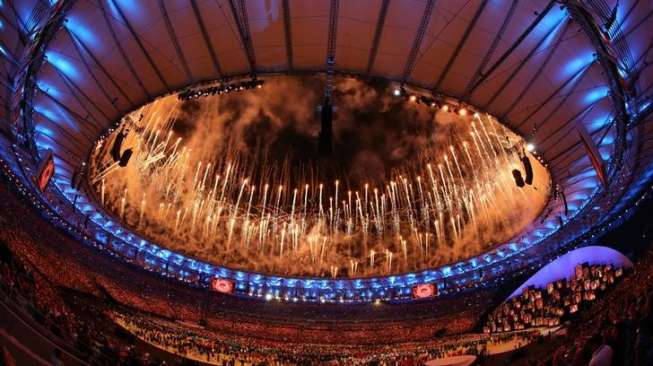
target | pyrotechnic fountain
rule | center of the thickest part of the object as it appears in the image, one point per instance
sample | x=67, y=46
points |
x=220, y=193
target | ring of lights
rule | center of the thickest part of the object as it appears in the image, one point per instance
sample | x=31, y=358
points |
x=111, y=233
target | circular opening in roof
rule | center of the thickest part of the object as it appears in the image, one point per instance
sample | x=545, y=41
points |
x=238, y=178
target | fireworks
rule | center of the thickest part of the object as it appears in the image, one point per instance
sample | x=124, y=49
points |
x=263, y=216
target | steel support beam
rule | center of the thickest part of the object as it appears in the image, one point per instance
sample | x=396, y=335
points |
x=205, y=36
x=618, y=94
x=77, y=139
x=553, y=95
x=80, y=155
x=460, y=45
x=644, y=20
x=580, y=115
x=91, y=135
x=562, y=101
x=608, y=24
x=15, y=27
x=491, y=50
x=334, y=9
x=378, y=31
x=9, y=54
x=134, y=35
x=521, y=65
x=175, y=42
x=239, y=12
x=90, y=71
x=79, y=46
x=26, y=87
x=537, y=75
x=19, y=20
x=513, y=47
x=287, y=32
x=74, y=90
x=417, y=42
x=122, y=52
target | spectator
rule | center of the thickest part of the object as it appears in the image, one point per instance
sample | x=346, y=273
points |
x=602, y=355
x=56, y=358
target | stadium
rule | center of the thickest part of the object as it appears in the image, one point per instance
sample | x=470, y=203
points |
x=304, y=182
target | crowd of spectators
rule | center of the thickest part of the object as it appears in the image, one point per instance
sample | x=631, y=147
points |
x=76, y=301
x=67, y=264
x=189, y=340
x=30, y=283
x=205, y=345
x=35, y=295
x=553, y=304
x=26, y=287
x=86, y=324
x=60, y=264
x=617, y=328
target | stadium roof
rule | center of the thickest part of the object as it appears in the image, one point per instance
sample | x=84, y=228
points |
x=542, y=67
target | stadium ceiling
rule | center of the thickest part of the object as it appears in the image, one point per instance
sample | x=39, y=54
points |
x=527, y=62
x=545, y=68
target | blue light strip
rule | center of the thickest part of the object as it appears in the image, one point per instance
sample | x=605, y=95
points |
x=395, y=287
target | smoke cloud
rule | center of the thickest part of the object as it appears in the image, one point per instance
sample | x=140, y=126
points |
x=196, y=182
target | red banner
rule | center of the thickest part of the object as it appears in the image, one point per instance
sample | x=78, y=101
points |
x=425, y=290
x=222, y=285
x=45, y=171
x=593, y=154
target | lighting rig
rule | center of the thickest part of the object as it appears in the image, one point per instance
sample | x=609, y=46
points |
x=220, y=89
x=436, y=102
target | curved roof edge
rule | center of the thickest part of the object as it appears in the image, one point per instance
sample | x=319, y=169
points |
x=564, y=266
